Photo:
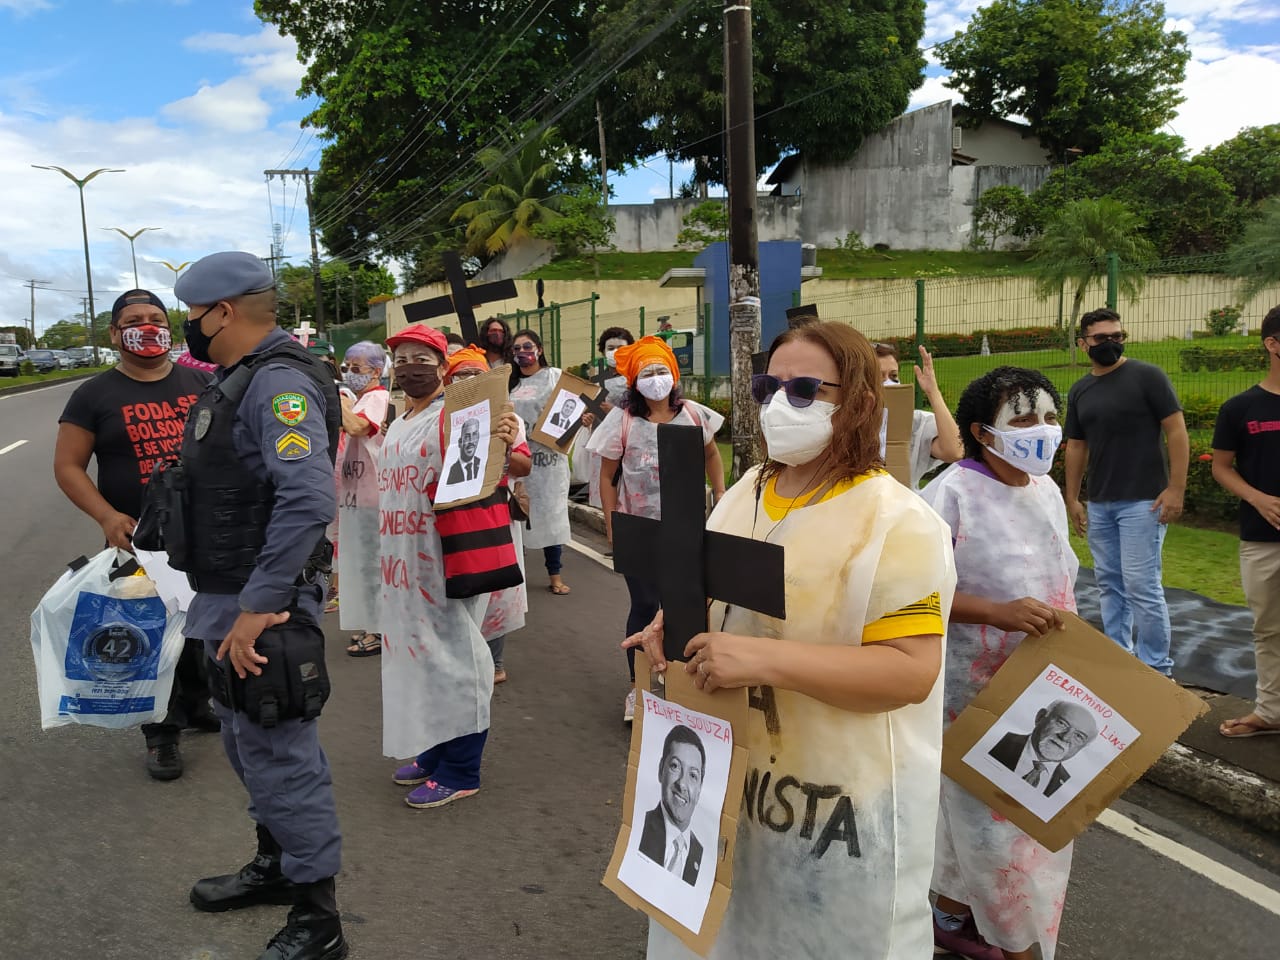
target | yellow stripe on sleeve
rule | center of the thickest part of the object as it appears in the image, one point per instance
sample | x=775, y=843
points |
x=915, y=619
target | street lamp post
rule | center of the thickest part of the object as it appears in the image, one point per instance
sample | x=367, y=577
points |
x=132, y=237
x=84, y=227
x=177, y=270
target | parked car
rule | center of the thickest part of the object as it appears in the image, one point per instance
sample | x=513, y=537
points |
x=43, y=360
x=10, y=359
x=65, y=360
x=80, y=356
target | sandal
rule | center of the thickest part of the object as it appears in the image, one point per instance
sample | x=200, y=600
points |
x=1253, y=727
x=368, y=645
x=559, y=589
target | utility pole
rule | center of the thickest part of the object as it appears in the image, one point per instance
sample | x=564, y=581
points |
x=744, y=259
x=315, y=251
x=32, y=284
x=604, y=166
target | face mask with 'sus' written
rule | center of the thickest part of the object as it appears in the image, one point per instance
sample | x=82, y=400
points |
x=1030, y=449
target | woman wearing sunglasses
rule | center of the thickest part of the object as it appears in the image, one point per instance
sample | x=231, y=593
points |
x=627, y=445
x=506, y=608
x=357, y=476
x=835, y=841
x=1000, y=893
x=532, y=383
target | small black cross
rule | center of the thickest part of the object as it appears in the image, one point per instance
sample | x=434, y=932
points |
x=461, y=299
x=592, y=405
x=686, y=561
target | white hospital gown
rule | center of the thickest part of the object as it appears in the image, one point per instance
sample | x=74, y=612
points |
x=1010, y=542
x=437, y=674
x=835, y=836
x=357, y=517
x=548, y=482
x=638, y=489
x=504, y=613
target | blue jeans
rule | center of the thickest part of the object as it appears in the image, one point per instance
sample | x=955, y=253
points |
x=1126, y=537
x=645, y=602
x=455, y=763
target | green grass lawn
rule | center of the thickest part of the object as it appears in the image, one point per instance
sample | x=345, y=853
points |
x=49, y=377
x=1204, y=561
x=835, y=264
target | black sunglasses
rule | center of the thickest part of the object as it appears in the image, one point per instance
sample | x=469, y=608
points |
x=801, y=391
x=1099, y=338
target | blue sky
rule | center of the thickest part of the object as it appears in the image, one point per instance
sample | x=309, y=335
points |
x=195, y=98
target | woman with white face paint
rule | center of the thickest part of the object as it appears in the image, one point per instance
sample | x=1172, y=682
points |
x=627, y=446
x=835, y=840
x=586, y=465
x=533, y=381
x=1000, y=893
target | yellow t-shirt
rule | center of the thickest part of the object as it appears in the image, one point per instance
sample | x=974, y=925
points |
x=915, y=619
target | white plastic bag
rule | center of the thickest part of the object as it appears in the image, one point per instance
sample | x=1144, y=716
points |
x=105, y=649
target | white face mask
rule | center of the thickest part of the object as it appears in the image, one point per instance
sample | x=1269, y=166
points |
x=891, y=381
x=656, y=388
x=1030, y=449
x=796, y=436
x=608, y=357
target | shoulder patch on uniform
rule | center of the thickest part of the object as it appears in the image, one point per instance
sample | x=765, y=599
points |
x=289, y=408
x=293, y=446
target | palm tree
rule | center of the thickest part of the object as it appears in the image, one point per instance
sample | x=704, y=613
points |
x=1256, y=257
x=517, y=193
x=1075, y=244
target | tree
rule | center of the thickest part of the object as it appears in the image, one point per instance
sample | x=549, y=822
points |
x=346, y=290
x=1074, y=246
x=519, y=191
x=583, y=226
x=704, y=224
x=1256, y=257
x=1249, y=162
x=1001, y=211
x=827, y=73
x=1185, y=207
x=71, y=332
x=1075, y=69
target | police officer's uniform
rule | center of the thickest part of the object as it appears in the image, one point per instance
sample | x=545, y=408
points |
x=256, y=493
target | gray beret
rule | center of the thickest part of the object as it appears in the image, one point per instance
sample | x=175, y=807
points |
x=223, y=276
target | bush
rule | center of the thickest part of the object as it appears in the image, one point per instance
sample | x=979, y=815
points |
x=27, y=369
x=1200, y=411
x=704, y=224
x=724, y=407
x=1223, y=320
x=1001, y=211
x=1195, y=359
x=852, y=243
x=970, y=344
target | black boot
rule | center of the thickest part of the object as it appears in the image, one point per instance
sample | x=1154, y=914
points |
x=259, y=881
x=313, y=931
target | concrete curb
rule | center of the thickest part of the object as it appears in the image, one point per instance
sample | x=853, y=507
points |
x=1182, y=770
x=41, y=384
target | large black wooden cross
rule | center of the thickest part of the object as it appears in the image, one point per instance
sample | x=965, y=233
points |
x=686, y=561
x=461, y=299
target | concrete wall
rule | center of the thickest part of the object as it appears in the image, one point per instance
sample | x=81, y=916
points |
x=970, y=183
x=641, y=227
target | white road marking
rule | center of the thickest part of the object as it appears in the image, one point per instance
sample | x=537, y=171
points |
x=600, y=558
x=1207, y=867
x=13, y=446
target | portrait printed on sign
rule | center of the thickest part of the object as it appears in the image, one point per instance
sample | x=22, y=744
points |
x=1051, y=743
x=682, y=776
x=566, y=410
x=468, y=453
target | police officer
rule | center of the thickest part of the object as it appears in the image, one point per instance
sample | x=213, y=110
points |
x=255, y=498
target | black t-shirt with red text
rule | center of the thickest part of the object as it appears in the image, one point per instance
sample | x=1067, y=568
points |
x=135, y=423
x=1249, y=426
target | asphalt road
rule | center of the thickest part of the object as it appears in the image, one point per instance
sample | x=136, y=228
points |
x=96, y=859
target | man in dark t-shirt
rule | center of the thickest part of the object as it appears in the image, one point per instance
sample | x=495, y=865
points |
x=129, y=418
x=1246, y=461
x=1115, y=418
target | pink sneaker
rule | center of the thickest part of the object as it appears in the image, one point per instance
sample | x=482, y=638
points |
x=965, y=942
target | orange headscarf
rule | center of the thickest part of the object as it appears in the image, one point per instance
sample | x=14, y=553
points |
x=471, y=356
x=631, y=358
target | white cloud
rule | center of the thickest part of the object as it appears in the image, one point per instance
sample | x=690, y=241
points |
x=24, y=8
x=1224, y=96
x=1236, y=11
x=932, y=91
x=235, y=106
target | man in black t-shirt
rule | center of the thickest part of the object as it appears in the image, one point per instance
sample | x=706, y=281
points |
x=1246, y=461
x=1115, y=418
x=129, y=418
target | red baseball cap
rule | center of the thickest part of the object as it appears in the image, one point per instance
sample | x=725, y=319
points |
x=420, y=333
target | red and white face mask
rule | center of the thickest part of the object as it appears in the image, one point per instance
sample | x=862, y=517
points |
x=146, y=340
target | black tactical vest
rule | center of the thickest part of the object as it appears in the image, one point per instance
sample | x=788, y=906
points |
x=225, y=506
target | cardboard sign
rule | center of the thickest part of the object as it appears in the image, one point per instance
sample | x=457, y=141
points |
x=899, y=408
x=697, y=892
x=1069, y=723
x=474, y=456
x=562, y=416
